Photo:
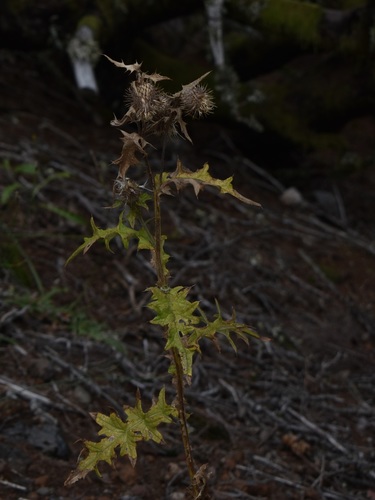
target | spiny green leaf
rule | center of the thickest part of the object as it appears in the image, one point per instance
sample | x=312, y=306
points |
x=118, y=434
x=185, y=328
x=138, y=426
x=172, y=306
x=124, y=232
x=175, y=312
x=182, y=177
x=146, y=423
x=226, y=328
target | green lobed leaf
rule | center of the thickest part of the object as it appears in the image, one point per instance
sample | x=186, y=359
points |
x=124, y=232
x=185, y=328
x=146, y=423
x=172, y=306
x=124, y=435
x=182, y=177
x=225, y=327
x=175, y=312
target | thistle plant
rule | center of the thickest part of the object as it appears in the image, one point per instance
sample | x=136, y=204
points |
x=155, y=115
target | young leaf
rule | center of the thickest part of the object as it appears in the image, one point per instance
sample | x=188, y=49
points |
x=175, y=312
x=183, y=177
x=124, y=435
x=135, y=208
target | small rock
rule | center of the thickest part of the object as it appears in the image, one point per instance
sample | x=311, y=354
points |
x=82, y=395
x=291, y=197
x=44, y=491
x=177, y=495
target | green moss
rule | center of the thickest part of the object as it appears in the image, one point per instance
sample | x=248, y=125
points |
x=284, y=116
x=107, y=10
x=235, y=41
x=352, y=4
x=92, y=22
x=103, y=22
x=299, y=20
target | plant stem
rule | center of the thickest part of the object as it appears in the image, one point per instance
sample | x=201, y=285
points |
x=162, y=281
x=183, y=421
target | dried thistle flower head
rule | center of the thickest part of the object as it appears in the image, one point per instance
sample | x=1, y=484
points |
x=197, y=101
x=157, y=113
x=146, y=100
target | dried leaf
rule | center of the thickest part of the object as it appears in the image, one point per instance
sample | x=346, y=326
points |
x=181, y=123
x=133, y=143
x=193, y=84
x=155, y=77
x=298, y=446
x=129, y=67
x=74, y=476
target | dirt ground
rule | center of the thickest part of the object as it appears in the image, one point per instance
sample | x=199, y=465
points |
x=293, y=418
